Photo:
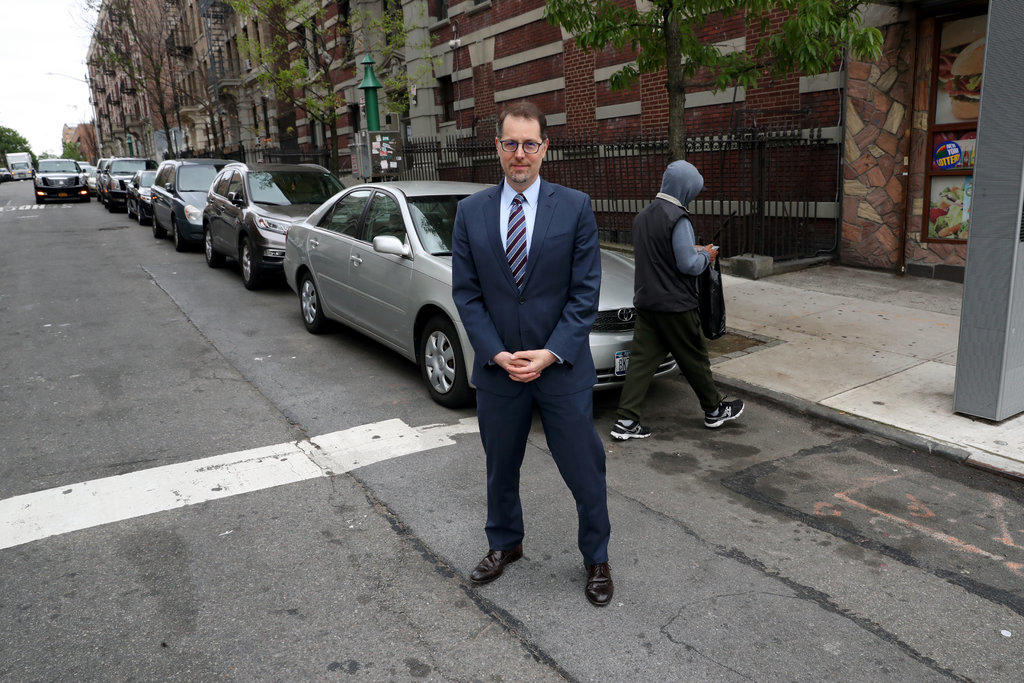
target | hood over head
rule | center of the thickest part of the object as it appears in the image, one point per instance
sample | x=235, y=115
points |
x=683, y=181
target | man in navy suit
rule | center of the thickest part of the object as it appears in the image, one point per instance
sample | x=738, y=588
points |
x=526, y=272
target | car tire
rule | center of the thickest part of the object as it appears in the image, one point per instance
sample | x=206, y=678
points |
x=214, y=259
x=158, y=232
x=180, y=244
x=310, y=308
x=138, y=217
x=128, y=208
x=248, y=260
x=442, y=364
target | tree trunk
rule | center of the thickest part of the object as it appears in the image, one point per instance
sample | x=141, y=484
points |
x=332, y=144
x=162, y=107
x=676, y=87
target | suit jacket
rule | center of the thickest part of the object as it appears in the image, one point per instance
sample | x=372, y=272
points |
x=558, y=303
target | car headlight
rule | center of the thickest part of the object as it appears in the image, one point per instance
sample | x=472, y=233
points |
x=272, y=226
x=193, y=214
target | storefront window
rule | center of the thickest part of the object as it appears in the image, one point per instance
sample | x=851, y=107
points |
x=959, y=57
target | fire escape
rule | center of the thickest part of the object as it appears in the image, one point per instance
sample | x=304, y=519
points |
x=220, y=71
x=179, y=49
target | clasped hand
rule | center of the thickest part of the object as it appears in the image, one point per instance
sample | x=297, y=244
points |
x=524, y=366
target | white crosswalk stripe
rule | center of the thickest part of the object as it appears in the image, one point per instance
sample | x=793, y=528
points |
x=39, y=515
x=34, y=207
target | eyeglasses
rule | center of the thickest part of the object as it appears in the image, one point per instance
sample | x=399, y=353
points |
x=529, y=147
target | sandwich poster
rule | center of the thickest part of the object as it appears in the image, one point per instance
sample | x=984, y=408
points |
x=961, y=58
x=949, y=210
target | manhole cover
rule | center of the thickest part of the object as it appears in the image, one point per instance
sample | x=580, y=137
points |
x=731, y=342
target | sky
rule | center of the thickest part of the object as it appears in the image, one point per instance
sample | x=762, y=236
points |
x=38, y=37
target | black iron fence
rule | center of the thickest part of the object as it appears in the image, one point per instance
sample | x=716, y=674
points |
x=258, y=155
x=768, y=190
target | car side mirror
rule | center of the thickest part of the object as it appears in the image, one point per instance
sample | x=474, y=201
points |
x=236, y=198
x=169, y=187
x=389, y=244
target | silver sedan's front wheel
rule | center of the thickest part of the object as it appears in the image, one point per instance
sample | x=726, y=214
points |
x=439, y=361
x=442, y=364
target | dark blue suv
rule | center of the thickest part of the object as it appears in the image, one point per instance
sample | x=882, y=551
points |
x=179, y=197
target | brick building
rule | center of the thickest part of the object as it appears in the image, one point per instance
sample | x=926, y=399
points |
x=837, y=163
x=887, y=118
x=84, y=135
x=120, y=108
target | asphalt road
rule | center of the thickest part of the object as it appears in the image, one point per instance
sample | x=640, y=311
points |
x=779, y=547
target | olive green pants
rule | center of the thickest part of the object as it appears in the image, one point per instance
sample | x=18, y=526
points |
x=656, y=335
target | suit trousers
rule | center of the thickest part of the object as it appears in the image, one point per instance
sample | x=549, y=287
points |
x=575, y=447
x=655, y=335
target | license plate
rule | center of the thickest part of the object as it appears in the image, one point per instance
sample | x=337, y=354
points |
x=62, y=194
x=621, y=363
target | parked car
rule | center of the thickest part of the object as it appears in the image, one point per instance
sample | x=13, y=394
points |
x=60, y=179
x=139, y=202
x=119, y=173
x=250, y=209
x=90, y=177
x=5, y=175
x=179, y=197
x=377, y=257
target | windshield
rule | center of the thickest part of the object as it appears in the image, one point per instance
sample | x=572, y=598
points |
x=58, y=166
x=434, y=218
x=280, y=188
x=197, y=177
x=130, y=165
x=146, y=178
x=18, y=165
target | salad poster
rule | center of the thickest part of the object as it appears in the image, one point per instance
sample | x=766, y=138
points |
x=949, y=209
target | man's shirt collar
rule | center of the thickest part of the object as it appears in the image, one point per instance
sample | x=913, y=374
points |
x=530, y=194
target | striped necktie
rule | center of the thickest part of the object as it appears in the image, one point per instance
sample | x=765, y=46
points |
x=515, y=243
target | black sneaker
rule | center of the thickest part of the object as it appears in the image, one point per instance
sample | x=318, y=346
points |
x=629, y=429
x=726, y=410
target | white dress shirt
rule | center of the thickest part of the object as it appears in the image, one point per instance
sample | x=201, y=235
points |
x=532, y=196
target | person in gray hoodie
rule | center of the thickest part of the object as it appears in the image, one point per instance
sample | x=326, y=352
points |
x=668, y=262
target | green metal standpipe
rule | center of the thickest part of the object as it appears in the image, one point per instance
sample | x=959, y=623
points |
x=369, y=86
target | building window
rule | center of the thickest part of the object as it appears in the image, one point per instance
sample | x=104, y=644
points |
x=447, y=93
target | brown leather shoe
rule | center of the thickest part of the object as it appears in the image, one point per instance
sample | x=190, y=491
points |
x=599, y=584
x=494, y=563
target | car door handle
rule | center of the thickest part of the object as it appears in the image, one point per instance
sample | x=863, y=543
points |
x=314, y=243
x=355, y=259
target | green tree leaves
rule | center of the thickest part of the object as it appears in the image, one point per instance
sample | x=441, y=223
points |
x=802, y=36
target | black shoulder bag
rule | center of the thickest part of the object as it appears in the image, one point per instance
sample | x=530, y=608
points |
x=711, y=300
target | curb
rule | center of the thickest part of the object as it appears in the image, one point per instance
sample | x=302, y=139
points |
x=900, y=436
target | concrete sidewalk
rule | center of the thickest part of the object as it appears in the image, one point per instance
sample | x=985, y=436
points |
x=864, y=348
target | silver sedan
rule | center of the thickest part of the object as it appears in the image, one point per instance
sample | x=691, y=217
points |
x=377, y=257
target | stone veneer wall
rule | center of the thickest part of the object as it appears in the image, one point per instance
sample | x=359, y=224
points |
x=874, y=195
x=885, y=104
